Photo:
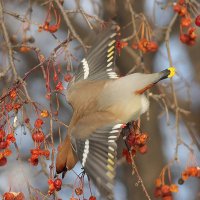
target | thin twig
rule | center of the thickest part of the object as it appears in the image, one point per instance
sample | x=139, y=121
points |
x=3, y=73
x=176, y=106
x=69, y=24
x=135, y=170
x=7, y=40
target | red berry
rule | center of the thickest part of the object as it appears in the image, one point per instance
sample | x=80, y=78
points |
x=50, y=181
x=17, y=106
x=197, y=21
x=191, y=33
x=13, y=93
x=35, y=151
x=67, y=77
x=165, y=189
x=183, y=11
x=157, y=192
x=177, y=7
x=184, y=38
x=34, y=160
x=79, y=191
x=3, y=161
x=92, y=198
x=143, y=149
x=51, y=189
x=11, y=138
x=38, y=136
x=38, y=123
x=3, y=144
x=8, y=196
x=143, y=138
x=169, y=197
x=192, y=171
x=152, y=46
x=186, y=21
x=59, y=86
x=57, y=184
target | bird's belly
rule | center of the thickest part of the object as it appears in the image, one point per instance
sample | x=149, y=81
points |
x=125, y=111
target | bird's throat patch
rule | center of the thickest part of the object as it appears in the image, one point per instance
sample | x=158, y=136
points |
x=141, y=91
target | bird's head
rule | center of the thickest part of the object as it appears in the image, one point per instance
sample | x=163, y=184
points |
x=146, y=81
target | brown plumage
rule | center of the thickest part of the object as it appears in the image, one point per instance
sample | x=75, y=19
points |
x=102, y=102
x=85, y=109
x=66, y=158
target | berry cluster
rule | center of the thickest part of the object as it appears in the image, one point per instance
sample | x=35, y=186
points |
x=5, y=141
x=90, y=198
x=52, y=28
x=120, y=45
x=54, y=185
x=146, y=45
x=57, y=76
x=164, y=191
x=38, y=137
x=9, y=107
x=35, y=153
x=13, y=196
x=144, y=41
x=135, y=141
x=59, y=86
x=13, y=104
x=189, y=172
x=188, y=33
x=79, y=188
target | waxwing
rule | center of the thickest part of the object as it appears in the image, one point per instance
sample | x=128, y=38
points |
x=102, y=103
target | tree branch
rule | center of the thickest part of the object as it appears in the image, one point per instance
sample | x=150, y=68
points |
x=7, y=40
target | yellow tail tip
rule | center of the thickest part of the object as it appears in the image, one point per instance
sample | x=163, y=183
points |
x=172, y=71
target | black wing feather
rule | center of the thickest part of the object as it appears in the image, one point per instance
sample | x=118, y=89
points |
x=100, y=62
x=97, y=154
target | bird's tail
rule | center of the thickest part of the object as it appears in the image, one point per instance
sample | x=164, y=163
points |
x=66, y=158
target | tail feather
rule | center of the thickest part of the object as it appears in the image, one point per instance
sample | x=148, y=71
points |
x=66, y=157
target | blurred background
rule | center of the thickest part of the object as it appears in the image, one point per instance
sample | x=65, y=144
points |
x=159, y=124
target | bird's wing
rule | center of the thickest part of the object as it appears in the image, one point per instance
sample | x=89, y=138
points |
x=100, y=60
x=97, y=154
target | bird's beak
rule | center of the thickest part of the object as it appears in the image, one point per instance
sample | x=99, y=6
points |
x=167, y=73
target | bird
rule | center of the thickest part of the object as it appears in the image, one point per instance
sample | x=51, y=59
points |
x=103, y=102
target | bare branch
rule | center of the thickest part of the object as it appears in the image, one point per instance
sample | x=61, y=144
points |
x=7, y=40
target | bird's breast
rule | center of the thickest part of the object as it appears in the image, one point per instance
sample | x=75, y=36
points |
x=123, y=103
